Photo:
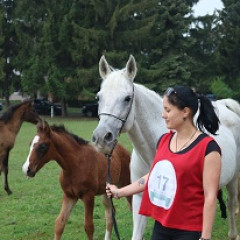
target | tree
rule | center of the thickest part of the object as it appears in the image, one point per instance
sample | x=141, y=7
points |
x=8, y=48
x=203, y=51
x=229, y=46
x=29, y=18
x=156, y=33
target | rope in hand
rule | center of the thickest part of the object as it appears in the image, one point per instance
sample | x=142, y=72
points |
x=109, y=156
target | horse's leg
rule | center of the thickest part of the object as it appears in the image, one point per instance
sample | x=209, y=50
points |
x=108, y=215
x=5, y=173
x=88, y=201
x=232, y=204
x=138, y=169
x=67, y=206
x=237, y=210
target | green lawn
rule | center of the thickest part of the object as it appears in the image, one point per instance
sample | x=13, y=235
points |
x=30, y=212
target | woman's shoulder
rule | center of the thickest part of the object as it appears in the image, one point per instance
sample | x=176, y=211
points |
x=212, y=144
x=164, y=136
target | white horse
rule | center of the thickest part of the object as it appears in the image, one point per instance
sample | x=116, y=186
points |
x=132, y=108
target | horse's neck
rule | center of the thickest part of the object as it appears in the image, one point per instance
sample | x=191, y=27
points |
x=148, y=124
x=64, y=149
x=15, y=123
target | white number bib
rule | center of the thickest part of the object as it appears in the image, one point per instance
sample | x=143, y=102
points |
x=162, y=184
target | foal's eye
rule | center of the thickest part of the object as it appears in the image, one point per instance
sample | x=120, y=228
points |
x=127, y=99
x=42, y=150
x=43, y=147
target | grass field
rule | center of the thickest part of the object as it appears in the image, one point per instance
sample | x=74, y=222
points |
x=30, y=212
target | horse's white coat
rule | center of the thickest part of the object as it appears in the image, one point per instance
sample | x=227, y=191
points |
x=26, y=164
x=144, y=127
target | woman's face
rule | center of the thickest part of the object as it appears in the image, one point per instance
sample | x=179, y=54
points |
x=173, y=116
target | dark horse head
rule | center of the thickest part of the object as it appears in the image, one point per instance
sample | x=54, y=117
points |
x=23, y=111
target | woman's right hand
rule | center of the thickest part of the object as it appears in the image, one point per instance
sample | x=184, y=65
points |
x=112, y=191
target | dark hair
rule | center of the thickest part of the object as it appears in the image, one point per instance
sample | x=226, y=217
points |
x=184, y=96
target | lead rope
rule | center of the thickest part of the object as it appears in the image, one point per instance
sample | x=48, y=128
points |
x=115, y=226
x=109, y=157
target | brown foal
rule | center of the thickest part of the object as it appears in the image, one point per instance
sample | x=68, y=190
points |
x=83, y=174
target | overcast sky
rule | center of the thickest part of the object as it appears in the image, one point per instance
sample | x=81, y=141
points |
x=204, y=7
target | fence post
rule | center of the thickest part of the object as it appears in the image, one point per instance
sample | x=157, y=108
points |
x=52, y=112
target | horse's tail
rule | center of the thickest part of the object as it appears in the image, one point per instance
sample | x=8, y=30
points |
x=222, y=205
x=232, y=104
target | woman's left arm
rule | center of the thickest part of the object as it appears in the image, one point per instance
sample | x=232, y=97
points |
x=211, y=177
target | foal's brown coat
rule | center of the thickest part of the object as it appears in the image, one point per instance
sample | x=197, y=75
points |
x=10, y=123
x=83, y=173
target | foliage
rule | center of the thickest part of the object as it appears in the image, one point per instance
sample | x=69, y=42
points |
x=221, y=89
x=7, y=48
x=56, y=45
x=229, y=45
x=203, y=52
x=229, y=33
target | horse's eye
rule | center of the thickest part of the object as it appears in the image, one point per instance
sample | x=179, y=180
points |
x=127, y=99
x=42, y=149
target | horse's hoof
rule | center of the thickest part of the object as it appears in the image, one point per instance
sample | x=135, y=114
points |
x=9, y=192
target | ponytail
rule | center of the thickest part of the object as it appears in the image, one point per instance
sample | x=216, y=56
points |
x=207, y=118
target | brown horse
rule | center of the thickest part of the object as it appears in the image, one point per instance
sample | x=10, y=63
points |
x=83, y=174
x=10, y=123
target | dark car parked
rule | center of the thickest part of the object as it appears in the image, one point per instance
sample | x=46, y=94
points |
x=211, y=96
x=90, y=109
x=43, y=107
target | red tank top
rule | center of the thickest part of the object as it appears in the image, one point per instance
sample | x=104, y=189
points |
x=174, y=193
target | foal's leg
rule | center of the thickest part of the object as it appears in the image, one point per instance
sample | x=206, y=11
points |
x=67, y=206
x=5, y=172
x=88, y=201
x=108, y=214
x=232, y=203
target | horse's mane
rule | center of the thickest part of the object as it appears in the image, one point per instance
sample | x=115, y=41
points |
x=7, y=115
x=62, y=129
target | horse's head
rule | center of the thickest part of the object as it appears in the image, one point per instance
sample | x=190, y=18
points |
x=40, y=150
x=29, y=113
x=116, y=104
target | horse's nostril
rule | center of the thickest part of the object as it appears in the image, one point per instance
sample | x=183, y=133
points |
x=108, y=137
x=93, y=139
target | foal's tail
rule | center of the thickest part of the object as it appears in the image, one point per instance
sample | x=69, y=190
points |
x=232, y=104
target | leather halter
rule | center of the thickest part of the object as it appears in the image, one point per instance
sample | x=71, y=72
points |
x=123, y=120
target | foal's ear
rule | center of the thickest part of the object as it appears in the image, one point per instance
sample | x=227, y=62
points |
x=44, y=127
x=131, y=68
x=104, y=68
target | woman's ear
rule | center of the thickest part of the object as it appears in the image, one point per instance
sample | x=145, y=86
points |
x=186, y=112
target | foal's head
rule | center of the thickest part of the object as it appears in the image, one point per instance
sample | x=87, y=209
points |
x=23, y=111
x=40, y=150
x=28, y=112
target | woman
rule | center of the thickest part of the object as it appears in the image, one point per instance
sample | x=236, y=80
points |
x=180, y=191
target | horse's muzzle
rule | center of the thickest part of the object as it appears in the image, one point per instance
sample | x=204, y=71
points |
x=30, y=173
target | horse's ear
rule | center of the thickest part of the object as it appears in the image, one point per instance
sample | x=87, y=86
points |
x=104, y=68
x=131, y=68
x=43, y=126
x=46, y=128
